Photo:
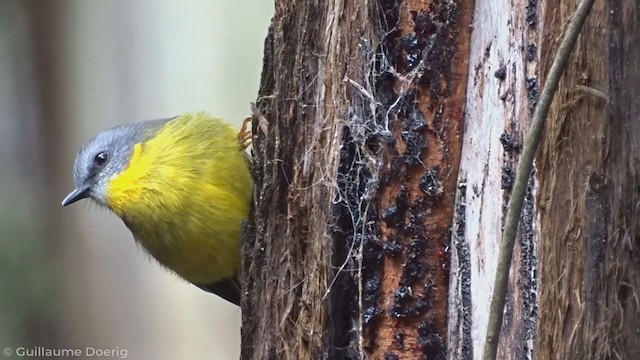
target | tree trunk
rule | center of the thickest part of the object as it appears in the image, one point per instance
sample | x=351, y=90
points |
x=590, y=241
x=377, y=219
x=503, y=88
x=357, y=143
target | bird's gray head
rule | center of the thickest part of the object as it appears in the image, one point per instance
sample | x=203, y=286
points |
x=106, y=155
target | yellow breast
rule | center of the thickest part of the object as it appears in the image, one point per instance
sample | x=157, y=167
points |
x=184, y=196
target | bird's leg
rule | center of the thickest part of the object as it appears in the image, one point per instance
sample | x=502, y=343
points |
x=244, y=136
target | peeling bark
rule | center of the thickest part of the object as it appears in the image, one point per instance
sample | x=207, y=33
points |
x=502, y=92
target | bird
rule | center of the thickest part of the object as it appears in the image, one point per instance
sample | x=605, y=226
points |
x=182, y=186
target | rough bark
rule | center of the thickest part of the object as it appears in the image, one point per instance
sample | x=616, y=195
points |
x=427, y=46
x=357, y=143
x=589, y=189
x=358, y=137
x=302, y=108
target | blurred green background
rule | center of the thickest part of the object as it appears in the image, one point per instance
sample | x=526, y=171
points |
x=73, y=277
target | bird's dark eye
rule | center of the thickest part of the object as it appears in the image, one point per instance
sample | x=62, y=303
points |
x=101, y=158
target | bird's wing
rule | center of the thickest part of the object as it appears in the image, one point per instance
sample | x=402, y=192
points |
x=228, y=289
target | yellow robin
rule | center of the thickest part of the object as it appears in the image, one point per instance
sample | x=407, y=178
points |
x=183, y=188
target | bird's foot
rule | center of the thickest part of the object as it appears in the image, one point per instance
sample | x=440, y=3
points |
x=245, y=136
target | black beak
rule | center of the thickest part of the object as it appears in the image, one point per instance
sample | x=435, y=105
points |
x=77, y=194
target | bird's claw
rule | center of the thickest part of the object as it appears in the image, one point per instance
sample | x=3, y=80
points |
x=245, y=136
